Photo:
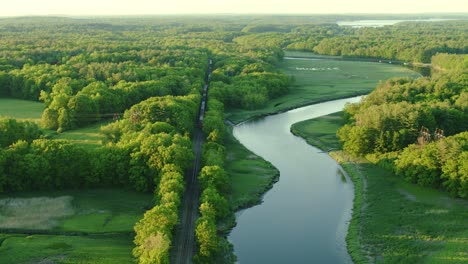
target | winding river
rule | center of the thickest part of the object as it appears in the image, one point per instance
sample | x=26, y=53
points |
x=304, y=218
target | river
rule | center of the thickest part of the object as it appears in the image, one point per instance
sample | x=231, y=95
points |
x=304, y=218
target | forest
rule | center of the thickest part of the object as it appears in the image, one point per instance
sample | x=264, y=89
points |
x=143, y=80
x=416, y=127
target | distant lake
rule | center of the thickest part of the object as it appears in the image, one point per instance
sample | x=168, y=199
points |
x=381, y=23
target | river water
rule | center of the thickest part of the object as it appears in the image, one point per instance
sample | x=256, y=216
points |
x=304, y=218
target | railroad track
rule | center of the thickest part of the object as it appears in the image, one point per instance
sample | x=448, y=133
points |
x=184, y=243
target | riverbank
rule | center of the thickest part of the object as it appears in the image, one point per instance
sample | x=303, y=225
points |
x=251, y=176
x=394, y=221
x=320, y=132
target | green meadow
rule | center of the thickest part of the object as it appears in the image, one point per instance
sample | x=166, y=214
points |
x=91, y=249
x=21, y=109
x=318, y=80
x=74, y=226
x=320, y=131
x=89, y=136
x=250, y=175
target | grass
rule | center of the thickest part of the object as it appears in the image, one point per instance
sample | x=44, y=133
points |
x=90, y=211
x=66, y=249
x=21, y=109
x=77, y=226
x=305, y=54
x=89, y=137
x=398, y=222
x=324, y=80
x=251, y=176
x=320, y=132
x=29, y=110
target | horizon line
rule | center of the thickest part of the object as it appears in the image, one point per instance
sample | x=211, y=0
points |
x=232, y=14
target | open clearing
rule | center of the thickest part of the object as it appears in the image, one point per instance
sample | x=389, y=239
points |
x=34, y=213
x=324, y=80
x=21, y=109
x=48, y=249
x=89, y=136
x=97, y=210
x=77, y=226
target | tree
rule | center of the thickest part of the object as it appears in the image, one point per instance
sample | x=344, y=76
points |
x=207, y=239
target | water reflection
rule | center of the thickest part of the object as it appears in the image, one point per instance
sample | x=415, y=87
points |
x=303, y=219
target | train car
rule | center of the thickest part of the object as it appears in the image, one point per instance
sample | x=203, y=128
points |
x=202, y=108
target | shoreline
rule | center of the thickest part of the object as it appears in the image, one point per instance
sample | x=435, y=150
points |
x=258, y=116
x=351, y=172
x=257, y=199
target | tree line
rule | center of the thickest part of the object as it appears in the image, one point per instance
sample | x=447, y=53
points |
x=214, y=182
x=416, y=126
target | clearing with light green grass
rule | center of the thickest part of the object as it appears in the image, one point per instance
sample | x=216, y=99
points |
x=91, y=249
x=319, y=80
x=74, y=226
x=21, y=109
x=89, y=136
x=90, y=211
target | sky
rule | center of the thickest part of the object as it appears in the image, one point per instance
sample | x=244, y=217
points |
x=148, y=7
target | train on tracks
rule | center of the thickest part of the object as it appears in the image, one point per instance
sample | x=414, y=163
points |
x=204, y=99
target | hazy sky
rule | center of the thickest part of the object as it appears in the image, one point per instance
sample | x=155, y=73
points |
x=133, y=7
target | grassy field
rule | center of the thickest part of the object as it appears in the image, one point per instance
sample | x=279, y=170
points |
x=395, y=221
x=90, y=211
x=78, y=226
x=21, y=109
x=89, y=136
x=251, y=176
x=30, y=110
x=47, y=249
x=323, y=80
x=320, y=132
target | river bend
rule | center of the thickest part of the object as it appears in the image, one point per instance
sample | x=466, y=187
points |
x=304, y=218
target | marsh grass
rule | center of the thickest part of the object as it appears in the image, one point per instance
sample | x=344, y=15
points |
x=331, y=79
x=34, y=213
x=251, y=176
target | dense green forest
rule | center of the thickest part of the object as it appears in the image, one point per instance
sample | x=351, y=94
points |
x=417, y=127
x=145, y=78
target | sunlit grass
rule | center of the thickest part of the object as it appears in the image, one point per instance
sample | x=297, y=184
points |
x=324, y=80
x=77, y=226
x=66, y=249
x=21, y=109
x=89, y=136
x=93, y=211
x=320, y=132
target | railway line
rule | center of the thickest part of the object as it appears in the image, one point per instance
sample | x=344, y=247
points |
x=184, y=243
